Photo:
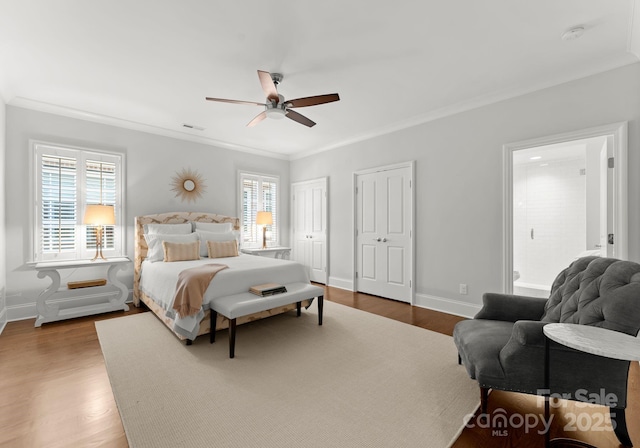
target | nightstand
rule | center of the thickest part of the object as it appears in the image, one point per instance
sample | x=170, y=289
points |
x=67, y=303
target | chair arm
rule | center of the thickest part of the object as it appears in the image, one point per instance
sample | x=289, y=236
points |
x=529, y=333
x=510, y=308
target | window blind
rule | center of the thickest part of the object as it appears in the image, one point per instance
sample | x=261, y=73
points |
x=59, y=204
x=100, y=187
x=259, y=193
x=66, y=181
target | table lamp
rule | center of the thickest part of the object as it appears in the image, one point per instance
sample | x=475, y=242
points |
x=99, y=215
x=264, y=219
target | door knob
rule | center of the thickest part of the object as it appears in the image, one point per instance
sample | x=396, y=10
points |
x=377, y=239
x=384, y=240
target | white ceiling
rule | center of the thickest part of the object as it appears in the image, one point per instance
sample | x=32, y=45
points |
x=148, y=64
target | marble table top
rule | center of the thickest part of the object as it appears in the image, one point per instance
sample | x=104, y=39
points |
x=595, y=340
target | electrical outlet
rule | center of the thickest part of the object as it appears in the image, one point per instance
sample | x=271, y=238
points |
x=463, y=288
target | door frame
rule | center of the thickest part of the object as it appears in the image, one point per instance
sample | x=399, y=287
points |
x=620, y=187
x=412, y=261
x=325, y=218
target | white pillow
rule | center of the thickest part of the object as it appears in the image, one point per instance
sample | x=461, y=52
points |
x=154, y=243
x=205, y=236
x=168, y=229
x=218, y=227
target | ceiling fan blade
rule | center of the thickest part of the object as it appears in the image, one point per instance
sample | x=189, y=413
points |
x=257, y=119
x=313, y=100
x=222, y=100
x=268, y=86
x=295, y=116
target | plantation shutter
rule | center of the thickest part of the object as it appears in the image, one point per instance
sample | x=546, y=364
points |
x=249, y=210
x=58, y=211
x=259, y=193
x=66, y=181
x=100, y=179
x=269, y=204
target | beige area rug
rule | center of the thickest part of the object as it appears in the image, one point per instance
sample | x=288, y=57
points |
x=359, y=380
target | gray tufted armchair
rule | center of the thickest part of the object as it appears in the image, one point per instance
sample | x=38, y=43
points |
x=503, y=346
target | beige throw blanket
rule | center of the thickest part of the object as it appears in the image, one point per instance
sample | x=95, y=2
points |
x=191, y=286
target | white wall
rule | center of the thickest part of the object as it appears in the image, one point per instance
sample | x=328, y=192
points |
x=3, y=246
x=459, y=181
x=151, y=162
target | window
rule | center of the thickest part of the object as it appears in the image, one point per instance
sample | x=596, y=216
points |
x=258, y=193
x=66, y=181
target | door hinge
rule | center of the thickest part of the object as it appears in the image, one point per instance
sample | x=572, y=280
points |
x=356, y=190
x=409, y=283
x=409, y=183
x=610, y=238
x=356, y=274
x=610, y=162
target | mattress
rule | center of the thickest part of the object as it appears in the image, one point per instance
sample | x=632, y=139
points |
x=158, y=281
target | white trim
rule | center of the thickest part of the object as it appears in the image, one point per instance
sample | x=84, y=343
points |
x=471, y=104
x=262, y=176
x=49, y=108
x=116, y=157
x=341, y=283
x=412, y=259
x=3, y=319
x=620, y=193
x=448, y=306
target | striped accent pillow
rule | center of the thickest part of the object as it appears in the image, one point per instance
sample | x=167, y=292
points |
x=181, y=251
x=222, y=249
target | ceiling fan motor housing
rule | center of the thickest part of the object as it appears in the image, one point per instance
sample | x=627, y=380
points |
x=276, y=110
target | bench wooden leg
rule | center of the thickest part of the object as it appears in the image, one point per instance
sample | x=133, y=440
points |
x=213, y=319
x=232, y=338
x=299, y=308
x=320, y=306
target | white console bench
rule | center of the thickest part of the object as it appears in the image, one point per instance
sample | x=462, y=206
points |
x=245, y=303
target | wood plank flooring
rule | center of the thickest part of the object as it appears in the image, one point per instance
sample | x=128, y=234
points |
x=55, y=391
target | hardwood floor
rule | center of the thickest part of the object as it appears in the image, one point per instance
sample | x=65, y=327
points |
x=56, y=393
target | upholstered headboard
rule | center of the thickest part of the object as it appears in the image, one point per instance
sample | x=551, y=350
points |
x=166, y=218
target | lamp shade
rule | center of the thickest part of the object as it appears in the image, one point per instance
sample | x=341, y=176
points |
x=99, y=215
x=264, y=218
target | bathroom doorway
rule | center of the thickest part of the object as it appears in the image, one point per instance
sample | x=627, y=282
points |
x=564, y=203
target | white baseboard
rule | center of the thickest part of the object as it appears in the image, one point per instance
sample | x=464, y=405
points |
x=449, y=306
x=435, y=303
x=3, y=319
x=341, y=283
x=21, y=312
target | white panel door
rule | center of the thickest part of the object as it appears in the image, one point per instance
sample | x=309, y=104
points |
x=383, y=227
x=310, y=227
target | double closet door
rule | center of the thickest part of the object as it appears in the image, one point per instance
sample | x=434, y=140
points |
x=309, y=224
x=384, y=247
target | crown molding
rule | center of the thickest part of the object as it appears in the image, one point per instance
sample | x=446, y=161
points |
x=475, y=103
x=41, y=106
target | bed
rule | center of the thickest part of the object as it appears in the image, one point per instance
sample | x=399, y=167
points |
x=154, y=282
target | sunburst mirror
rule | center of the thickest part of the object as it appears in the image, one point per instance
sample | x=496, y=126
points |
x=188, y=185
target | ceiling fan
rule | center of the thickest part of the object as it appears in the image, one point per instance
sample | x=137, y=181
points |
x=276, y=106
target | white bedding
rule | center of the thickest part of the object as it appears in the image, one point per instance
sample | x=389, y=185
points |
x=158, y=281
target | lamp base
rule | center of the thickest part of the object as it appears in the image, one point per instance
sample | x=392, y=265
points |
x=98, y=244
x=264, y=237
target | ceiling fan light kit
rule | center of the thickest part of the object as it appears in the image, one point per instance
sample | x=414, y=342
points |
x=275, y=106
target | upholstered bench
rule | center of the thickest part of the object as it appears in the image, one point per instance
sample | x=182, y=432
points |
x=238, y=305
